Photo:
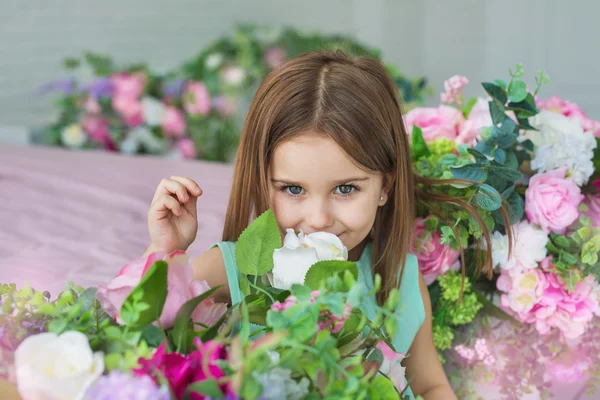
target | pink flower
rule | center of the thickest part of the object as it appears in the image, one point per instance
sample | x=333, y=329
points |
x=552, y=201
x=91, y=105
x=181, y=371
x=434, y=258
x=128, y=86
x=97, y=130
x=391, y=365
x=444, y=121
x=224, y=105
x=187, y=148
x=479, y=117
x=274, y=56
x=181, y=288
x=571, y=110
x=569, y=366
x=130, y=109
x=592, y=201
x=174, y=122
x=196, y=99
x=454, y=89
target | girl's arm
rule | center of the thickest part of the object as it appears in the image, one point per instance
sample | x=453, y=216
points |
x=210, y=267
x=423, y=365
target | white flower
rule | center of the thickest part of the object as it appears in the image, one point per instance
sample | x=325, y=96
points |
x=213, y=60
x=278, y=384
x=233, y=75
x=559, y=141
x=49, y=366
x=499, y=248
x=141, y=136
x=529, y=247
x=153, y=111
x=73, y=136
x=299, y=253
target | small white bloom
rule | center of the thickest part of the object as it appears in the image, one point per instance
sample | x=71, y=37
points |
x=153, y=111
x=561, y=140
x=233, y=75
x=499, y=248
x=278, y=384
x=529, y=247
x=213, y=61
x=57, y=367
x=73, y=136
x=299, y=253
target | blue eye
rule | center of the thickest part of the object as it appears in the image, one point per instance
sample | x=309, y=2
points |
x=294, y=190
x=345, y=190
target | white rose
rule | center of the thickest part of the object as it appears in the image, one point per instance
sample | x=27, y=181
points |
x=153, y=111
x=299, y=253
x=49, y=366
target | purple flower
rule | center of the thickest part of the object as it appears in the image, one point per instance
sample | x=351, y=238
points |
x=173, y=88
x=66, y=86
x=99, y=88
x=117, y=385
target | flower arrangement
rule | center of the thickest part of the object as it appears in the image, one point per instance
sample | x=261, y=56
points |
x=155, y=333
x=195, y=111
x=540, y=158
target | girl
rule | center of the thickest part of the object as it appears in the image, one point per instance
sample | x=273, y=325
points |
x=324, y=146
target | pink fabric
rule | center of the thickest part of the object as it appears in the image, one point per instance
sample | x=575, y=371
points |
x=81, y=215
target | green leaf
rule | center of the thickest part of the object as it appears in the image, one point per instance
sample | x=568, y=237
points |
x=182, y=319
x=322, y=270
x=480, y=158
x=382, y=388
x=207, y=387
x=497, y=112
x=511, y=160
x=153, y=289
x=527, y=145
x=561, y=241
x=503, y=137
x=524, y=109
x=153, y=335
x=487, y=197
x=497, y=92
x=470, y=172
x=255, y=247
x=500, y=155
x=112, y=332
x=468, y=107
x=517, y=91
x=524, y=124
x=506, y=173
x=500, y=83
x=419, y=146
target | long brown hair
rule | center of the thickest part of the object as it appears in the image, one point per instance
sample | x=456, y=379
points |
x=355, y=102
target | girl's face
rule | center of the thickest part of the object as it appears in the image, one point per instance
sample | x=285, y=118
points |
x=314, y=186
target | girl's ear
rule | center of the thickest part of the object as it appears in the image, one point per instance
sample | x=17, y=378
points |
x=388, y=182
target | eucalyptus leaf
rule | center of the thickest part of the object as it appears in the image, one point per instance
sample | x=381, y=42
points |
x=471, y=172
x=487, y=197
x=496, y=92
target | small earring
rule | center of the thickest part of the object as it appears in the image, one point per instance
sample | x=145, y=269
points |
x=381, y=198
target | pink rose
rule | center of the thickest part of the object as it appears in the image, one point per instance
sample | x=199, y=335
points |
x=130, y=109
x=180, y=371
x=128, y=86
x=434, y=258
x=552, y=202
x=274, y=56
x=592, y=201
x=97, y=130
x=181, y=288
x=196, y=99
x=174, y=122
x=444, y=121
x=186, y=148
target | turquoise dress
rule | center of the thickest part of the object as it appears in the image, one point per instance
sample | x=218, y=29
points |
x=410, y=314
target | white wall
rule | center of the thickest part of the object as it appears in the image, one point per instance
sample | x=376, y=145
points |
x=477, y=38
